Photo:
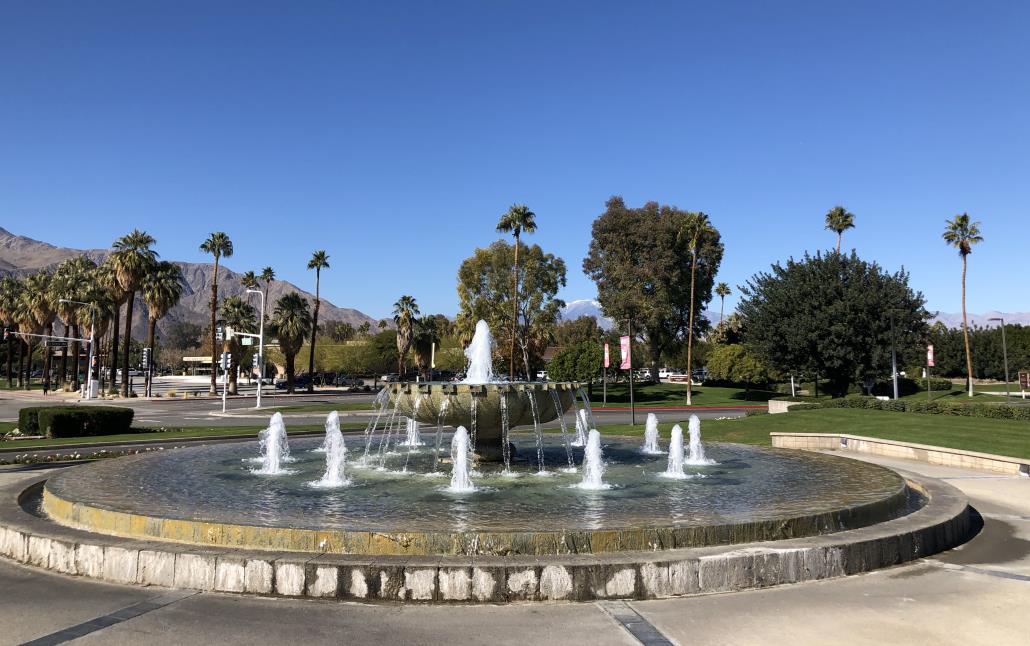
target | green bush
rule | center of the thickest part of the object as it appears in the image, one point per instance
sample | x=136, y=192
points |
x=76, y=421
x=805, y=406
x=28, y=420
x=958, y=409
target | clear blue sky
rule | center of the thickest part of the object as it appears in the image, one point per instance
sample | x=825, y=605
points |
x=394, y=134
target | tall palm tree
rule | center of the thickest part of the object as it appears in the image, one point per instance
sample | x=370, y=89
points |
x=40, y=309
x=239, y=315
x=963, y=234
x=426, y=333
x=133, y=260
x=518, y=220
x=267, y=276
x=319, y=261
x=161, y=292
x=291, y=322
x=722, y=290
x=404, y=312
x=10, y=298
x=218, y=245
x=696, y=227
x=107, y=281
x=75, y=282
x=839, y=220
x=249, y=280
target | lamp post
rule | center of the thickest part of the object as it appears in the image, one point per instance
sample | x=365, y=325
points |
x=261, y=345
x=92, y=342
x=1004, y=354
x=894, y=359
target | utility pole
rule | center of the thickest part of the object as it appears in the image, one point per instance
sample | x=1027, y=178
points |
x=632, y=405
x=261, y=345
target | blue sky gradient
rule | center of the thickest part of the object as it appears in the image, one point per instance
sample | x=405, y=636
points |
x=394, y=134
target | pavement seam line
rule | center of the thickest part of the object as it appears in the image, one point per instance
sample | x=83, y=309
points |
x=110, y=619
x=634, y=623
x=1001, y=574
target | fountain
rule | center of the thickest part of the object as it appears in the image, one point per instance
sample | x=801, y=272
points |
x=674, y=469
x=335, y=451
x=582, y=428
x=696, y=453
x=275, y=449
x=412, y=438
x=460, y=480
x=651, y=446
x=593, y=464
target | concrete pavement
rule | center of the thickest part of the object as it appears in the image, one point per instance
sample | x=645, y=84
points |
x=977, y=593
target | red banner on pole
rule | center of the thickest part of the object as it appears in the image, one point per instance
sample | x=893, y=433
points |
x=626, y=362
x=929, y=355
x=607, y=360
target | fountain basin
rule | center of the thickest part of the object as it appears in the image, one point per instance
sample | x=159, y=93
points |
x=207, y=496
x=477, y=407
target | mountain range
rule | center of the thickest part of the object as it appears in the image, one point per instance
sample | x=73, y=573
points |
x=20, y=255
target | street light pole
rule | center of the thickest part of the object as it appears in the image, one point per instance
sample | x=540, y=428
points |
x=1004, y=354
x=261, y=345
x=92, y=343
x=894, y=359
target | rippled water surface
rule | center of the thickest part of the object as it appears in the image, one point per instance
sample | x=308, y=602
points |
x=215, y=483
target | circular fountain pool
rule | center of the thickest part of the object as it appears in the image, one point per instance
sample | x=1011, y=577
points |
x=210, y=495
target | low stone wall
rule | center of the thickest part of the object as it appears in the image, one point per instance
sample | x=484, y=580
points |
x=777, y=406
x=938, y=455
x=942, y=523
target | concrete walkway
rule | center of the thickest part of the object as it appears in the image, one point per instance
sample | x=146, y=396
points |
x=979, y=593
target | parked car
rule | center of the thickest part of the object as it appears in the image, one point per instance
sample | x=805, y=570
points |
x=541, y=375
x=390, y=378
x=347, y=380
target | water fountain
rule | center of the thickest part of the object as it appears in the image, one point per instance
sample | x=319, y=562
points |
x=651, y=446
x=593, y=464
x=275, y=449
x=335, y=451
x=582, y=428
x=696, y=450
x=674, y=468
x=460, y=480
x=412, y=436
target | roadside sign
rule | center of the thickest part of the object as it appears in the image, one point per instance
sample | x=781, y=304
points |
x=247, y=340
x=1024, y=380
x=57, y=344
x=929, y=355
x=607, y=357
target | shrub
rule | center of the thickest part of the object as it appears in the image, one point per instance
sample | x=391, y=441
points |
x=805, y=406
x=78, y=421
x=28, y=420
x=958, y=409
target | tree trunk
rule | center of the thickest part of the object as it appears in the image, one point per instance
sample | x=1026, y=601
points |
x=214, y=342
x=64, y=361
x=690, y=329
x=113, y=368
x=514, y=310
x=10, y=362
x=965, y=331
x=840, y=236
x=290, y=372
x=314, y=332
x=722, y=306
x=28, y=365
x=48, y=358
x=128, y=344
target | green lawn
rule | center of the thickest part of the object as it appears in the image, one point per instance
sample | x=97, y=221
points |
x=163, y=436
x=324, y=408
x=998, y=436
x=668, y=394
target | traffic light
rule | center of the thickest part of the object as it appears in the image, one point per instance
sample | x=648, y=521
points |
x=146, y=358
x=257, y=361
x=224, y=361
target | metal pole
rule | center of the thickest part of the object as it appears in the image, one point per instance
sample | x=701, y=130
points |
x=92, y=345
x=261, y=349
x=225, y=379
x=1005, y=355
x=632, y=405
x=894, y=360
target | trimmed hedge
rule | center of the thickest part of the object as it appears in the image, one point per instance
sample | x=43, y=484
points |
x=989, y=411
x=75, y=421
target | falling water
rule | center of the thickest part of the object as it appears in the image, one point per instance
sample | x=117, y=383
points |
x=274, y=448
x=460, y=480
x=472, y=405
x=412, y=437
x=696, y=455
x=560, y=412
x=651, y=446
x=439, y=431
x=384, y=442
x=593, y=463
x=480, y=356
x=505, y=449
x=675, y=467
x=335, y=450
x=586, y=406
x=539, y=433
x=382, y=400
x=582, y=427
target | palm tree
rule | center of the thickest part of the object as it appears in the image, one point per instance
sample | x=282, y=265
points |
x=364, y=328
x=133, y=260
x=839, y=220
x=75, y=282
x=722, y=290
x=404, y=312
x=291, y=322
x=426, y=333
x=239, y=315
x=696, y=227
x=267, y=276
x=218, y=245
x=963, y=234
x=107, y=281
x=10, y=298
x=39, y=309
x=319, y=261
x=249, y=280
x=161, y=292
x=517, y=220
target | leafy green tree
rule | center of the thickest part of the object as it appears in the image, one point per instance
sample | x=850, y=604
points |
x=962, y=233
x=405, y=311
x=291, y=322
x=736, y=363
x=218, y=245
x=829, y=316
x=579, y=362
x=839, y=220
x=319, y=261
x=516, y=221
x=484, y=281
x=183, y=334
x=642, y=266
x=585, y=328
x=133, y=260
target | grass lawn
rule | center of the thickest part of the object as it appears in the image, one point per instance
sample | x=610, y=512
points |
x=998, y=436
x=162, y=436
x=324, y=408
x=668, y=394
